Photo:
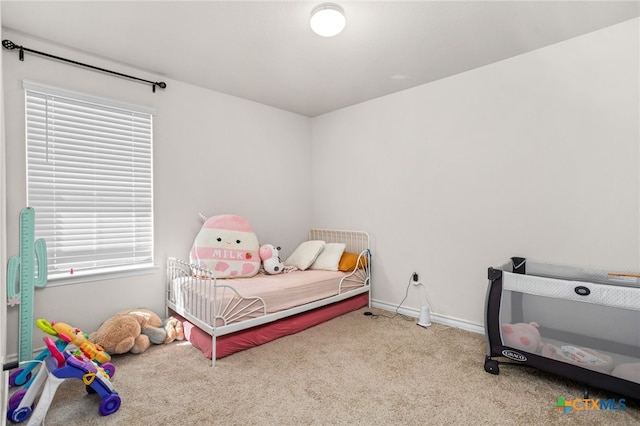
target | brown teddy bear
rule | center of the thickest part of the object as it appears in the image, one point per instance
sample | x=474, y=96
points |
x=134, y=330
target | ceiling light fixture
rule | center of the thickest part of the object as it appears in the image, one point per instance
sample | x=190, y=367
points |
x=327, y=19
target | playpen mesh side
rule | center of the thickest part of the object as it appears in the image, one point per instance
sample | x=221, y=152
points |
x=599, y=294
x=609, y=312
x=606, y=320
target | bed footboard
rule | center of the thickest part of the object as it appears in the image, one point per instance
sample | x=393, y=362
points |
x=189, y=287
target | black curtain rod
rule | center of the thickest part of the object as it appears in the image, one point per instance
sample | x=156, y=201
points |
x=8, y=44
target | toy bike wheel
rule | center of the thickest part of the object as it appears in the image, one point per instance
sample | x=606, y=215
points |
x=16, y=398
x=20, y=415
x=14, y=380
x=110, y=404
x=109, y=368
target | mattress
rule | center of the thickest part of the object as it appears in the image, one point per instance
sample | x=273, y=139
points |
x=239, y=299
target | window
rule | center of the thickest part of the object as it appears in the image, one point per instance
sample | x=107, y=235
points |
x=90, y=181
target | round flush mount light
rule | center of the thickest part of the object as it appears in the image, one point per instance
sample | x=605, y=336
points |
x=327, y=19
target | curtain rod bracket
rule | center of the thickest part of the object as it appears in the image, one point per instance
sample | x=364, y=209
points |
x=9, y=45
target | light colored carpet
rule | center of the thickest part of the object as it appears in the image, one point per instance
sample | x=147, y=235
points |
x=353, y=370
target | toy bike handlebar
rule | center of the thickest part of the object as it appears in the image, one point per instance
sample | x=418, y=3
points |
x=51, y=345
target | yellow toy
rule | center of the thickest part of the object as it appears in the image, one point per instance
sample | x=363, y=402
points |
x=76, y=337
x=69, y=339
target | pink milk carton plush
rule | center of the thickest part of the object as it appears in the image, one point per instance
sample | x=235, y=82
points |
x=227, y=245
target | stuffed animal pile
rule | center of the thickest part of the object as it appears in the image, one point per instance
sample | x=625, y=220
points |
x=526, y=337
x=134, y=330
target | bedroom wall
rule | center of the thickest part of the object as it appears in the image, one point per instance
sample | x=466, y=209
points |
x=4, y=391
x=213, y=154
x=535, y=156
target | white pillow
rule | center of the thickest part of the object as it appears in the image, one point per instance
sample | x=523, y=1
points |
x=329, y=257
x=305, y=254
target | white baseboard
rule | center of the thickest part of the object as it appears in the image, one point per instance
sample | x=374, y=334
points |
x=435, y=317
x=13, y=358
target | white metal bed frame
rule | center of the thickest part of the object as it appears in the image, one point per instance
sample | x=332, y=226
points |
x=232, y=312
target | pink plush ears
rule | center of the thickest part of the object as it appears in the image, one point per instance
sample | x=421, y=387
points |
x=266, y=252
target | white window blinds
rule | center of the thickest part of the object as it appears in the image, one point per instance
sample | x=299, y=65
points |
x=89, y=179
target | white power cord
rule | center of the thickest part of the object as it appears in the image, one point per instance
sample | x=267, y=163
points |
x=417, y=283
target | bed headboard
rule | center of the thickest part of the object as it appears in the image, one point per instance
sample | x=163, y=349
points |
x=355, y=241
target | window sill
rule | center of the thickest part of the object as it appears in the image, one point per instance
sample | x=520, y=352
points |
x=110, y=275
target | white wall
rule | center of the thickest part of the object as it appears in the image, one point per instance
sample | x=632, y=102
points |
x=213, y=154
x=535, y=156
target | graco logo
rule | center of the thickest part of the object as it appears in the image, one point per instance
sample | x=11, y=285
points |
x=514, y=355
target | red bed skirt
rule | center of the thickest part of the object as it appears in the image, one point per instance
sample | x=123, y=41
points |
x=245, y=339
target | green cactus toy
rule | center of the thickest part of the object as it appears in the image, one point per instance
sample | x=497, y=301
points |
x=28, y=278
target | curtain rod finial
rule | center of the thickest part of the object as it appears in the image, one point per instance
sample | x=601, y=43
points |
x=160, y=84
x=8, y=44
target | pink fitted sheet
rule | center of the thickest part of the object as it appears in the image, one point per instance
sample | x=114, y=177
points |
x=279, y=292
